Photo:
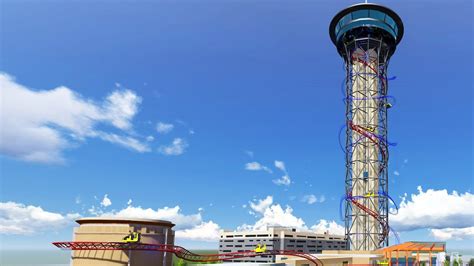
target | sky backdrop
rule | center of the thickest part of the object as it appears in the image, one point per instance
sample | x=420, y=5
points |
x=221, y=115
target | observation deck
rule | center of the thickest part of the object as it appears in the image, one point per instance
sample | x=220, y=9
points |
x=366, y=20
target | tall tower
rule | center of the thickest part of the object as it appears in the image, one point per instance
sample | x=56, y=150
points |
x=366, y=36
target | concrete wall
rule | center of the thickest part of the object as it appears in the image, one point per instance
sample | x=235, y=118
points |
x=114, y=231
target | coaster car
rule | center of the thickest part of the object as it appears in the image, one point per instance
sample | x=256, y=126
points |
x=133, y=237
x=260, y=248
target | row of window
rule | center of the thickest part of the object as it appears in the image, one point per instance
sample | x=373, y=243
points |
x=239, y=246
x=287, y=236
x=262, y=235
x=250, y=240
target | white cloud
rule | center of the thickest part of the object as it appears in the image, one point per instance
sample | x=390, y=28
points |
x=256, y=166
x=280, y=165
x=164, y=128
x=284, y=180
x=311, y=199
x=206, y=231
x=396, y=173
x=150, y=138
x=129, y=202
x=120, y=107
x=453, y=233
x=190, y=227
x=275, y=215
x=173, y=214
x=328, y=226
x=38, y=125
x=434, y=209
x=20, y=219
x=259, y=206
x=125, y=141
x=177, y=147
x=106, y=202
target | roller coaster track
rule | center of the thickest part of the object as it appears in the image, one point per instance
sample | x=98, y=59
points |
x=180, y=252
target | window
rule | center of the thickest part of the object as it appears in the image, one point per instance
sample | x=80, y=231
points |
x=292, y=241
x=288, y=236
x=229, y=236
x=301, y=236
x=299, y=246
x=228, y=241
x=312, y=237
x=240, y=240
x=226, y=250
x=238, y=246
x=360, y=14
x=301, y=241
x=262, y=235
x=250, y=235
x=238, y=235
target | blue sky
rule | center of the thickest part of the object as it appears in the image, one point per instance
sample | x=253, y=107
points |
x=232, y=82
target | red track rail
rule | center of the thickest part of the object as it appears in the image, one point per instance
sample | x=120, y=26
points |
x=180, y=252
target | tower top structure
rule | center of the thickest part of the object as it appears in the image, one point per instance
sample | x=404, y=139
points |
x=365, y=20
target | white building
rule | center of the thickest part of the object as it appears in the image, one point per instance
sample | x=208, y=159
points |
x=278, y=238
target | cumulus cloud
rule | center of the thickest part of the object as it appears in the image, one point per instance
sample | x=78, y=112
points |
x=275, y=215
x=311, y=199
x=190, y=226
x=259, y=206
x=285, y=180
x=256, y=166
x=21, y=219
x=106, y=202
x=164, y=128
x=38, y=125
x=434, y=209
x=177, y=147
x=173, y=214
x=328, y=226
x=453, y=233
x=396, y=173
x=206, y=231
x=280, y=165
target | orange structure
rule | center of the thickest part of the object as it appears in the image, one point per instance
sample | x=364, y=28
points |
x=408, y=249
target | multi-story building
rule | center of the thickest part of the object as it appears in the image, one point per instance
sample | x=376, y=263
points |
x=278, y=238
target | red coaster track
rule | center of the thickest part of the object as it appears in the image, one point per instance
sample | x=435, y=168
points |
x=180, y=252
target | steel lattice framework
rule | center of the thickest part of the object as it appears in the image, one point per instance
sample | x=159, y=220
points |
x=180, y=252
x=366, y=214
x=366, y=36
